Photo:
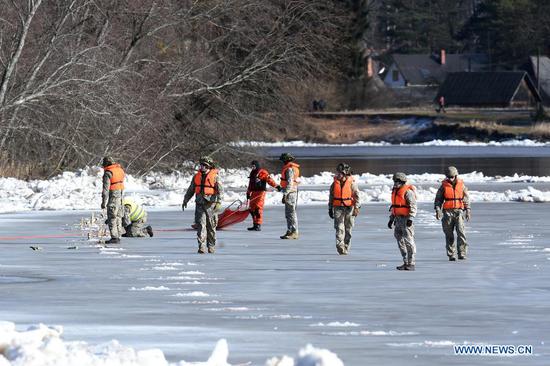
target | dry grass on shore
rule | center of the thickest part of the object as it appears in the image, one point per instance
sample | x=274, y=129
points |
x=541, y=129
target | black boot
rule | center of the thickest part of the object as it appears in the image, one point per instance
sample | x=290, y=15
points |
x=410, y=267
x=113, y=241
x=149, y=230
x=255, y=227
x=452, y=259
x=402, y=267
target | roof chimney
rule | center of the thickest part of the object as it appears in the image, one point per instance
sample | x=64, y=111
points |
x=370, y=68
x=442, y=57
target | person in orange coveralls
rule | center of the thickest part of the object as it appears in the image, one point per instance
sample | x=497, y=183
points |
x=259, y=178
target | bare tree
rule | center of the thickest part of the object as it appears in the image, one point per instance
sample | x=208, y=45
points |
x=153, y=82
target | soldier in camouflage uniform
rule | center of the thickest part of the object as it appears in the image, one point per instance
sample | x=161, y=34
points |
x=208, y=192
x=403, y=210
x=111, y=197
x=343, y=206
x=452, y=206
x=134, y=220
x=289, y=187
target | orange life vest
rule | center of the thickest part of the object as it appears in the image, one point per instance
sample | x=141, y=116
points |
x=342, y=193
x=454, y=196
x=117, y=177
x=296, y=168
x=399, y=206
x=206, y=187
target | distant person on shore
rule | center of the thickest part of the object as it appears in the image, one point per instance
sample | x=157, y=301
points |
x=111, y=197
x=322, y=105
x=403, y=210
x=258, y=180
x=441, y=104
x=208, y=192
x=289, y=186
x=343, y=206
x=319, y=105
x=134, y=220
x=452, y=206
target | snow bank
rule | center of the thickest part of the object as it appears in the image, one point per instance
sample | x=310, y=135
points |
x=41, y=345
x=299, y=143
x=81, y=190
x=308, y=356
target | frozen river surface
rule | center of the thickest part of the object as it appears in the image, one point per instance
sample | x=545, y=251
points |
x=270, y=297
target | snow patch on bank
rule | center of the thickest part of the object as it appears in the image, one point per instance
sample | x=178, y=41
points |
x=300, y=143
x=41, y=345
x=81, y=190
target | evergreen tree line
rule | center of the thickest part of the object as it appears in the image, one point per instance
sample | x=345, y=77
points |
x=507, y=30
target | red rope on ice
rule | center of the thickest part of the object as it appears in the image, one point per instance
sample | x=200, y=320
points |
x=23, y=237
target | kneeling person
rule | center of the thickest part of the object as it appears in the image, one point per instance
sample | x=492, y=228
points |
x=343, y=206
x=134, y=220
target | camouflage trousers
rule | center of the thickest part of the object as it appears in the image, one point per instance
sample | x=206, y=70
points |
x=405, y=239
x=137, y=229
x=453, y=220
x=290, y=211
x=206, y=219
x=343, y=224
x=115, y=211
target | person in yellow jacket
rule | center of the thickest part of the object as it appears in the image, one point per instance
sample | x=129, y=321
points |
x=289, y=186
x=134, y=220
x=208, y=191
x=343, y=206
x=111, y=197
x=403, y=210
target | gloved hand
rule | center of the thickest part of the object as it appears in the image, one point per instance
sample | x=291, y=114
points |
x=390, y=223
x=183, y=206
x=468, y=214
x=279, y=188
x=438, y=214
x=331, y=213
x=217, y=206
x=248, y=195
x=284, y=200
x=103, y=206
x=409, y=222
x=355, y=212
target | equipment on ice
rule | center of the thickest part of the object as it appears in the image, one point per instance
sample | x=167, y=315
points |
x=236, y=212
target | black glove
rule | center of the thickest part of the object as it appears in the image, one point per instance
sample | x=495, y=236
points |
x=283, y=200
x=279, y=188
x=248, y=196
x=330, y=213
x=390, y=223
x=183, y=206
x=103, y=206
x=409, y=222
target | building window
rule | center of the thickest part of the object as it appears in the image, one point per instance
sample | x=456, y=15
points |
x=395, y=75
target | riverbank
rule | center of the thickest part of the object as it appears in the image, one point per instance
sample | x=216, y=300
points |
x=419, y=125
